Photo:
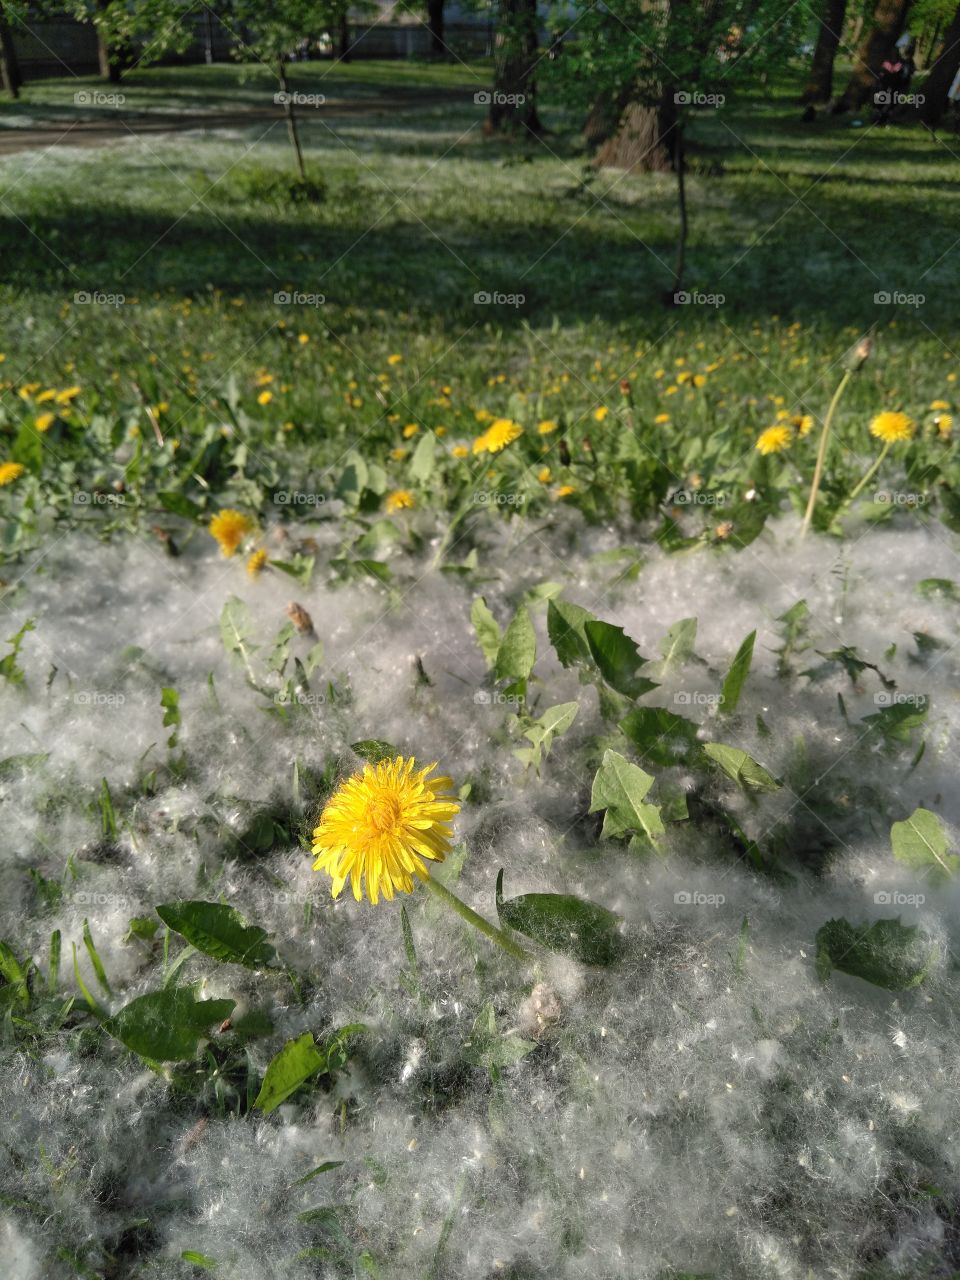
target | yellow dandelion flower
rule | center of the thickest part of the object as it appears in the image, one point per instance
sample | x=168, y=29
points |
x=500, y=433
x=683, y=376
x=65, y=396
x=944, y=424
x=263, y=379
x=564, y=491
x=264, y=397
x=544, y=475
x=659, y=373
x=699, y=380
x=439, y=431
x=548, y=425
x=44, y=421
x=409, y=430
x=774, y=440
x=28, y=389
x=303, y=338
x=892, y=428
x=460, y=451
x=939, y=404
x=803, y=423
x=679, y=361
x=399, y=500
x=379, y=826
x=399, y=453
x=394, y=359
x=257, y=563
x=661, y=418
x=483, y=415
x=671, y=391
x=10, y=471
x=600, y=412
x=44, y=396
x=230, y=528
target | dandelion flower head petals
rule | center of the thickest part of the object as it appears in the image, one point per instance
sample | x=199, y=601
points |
x=10, y=471
x=774, y=440
x=230, y=528
x=891, y=428
x=380, y=825
x=500, y=433
x=257, y=563
x=399, y=500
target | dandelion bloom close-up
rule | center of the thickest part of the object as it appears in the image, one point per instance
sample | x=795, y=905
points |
x=500, y=433
x=774, y=440
x=379, y=826
x=257, y=563
x=10, y=471
x=230, y=527
x=400, y=500
x=892, y=428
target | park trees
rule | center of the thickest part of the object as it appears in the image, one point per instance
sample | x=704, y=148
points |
x=10, y=15
x=513, y=106
x=889, y=22
x=830, y=19
x=943, y=70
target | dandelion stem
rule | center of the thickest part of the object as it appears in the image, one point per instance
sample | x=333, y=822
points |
x=822, y=451
x=467, y=913
x=870, y=472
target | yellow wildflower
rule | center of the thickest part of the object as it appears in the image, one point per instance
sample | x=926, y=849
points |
x=774, y=440
x=892, y=428
x=230, y=527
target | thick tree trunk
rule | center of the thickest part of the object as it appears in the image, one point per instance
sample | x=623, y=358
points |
x=889, y=20
x=343, y=37
x=820, y=85
x=435, y=26
x=9, y=66
x=942, y=72
x=513, y=101
x=644, y=138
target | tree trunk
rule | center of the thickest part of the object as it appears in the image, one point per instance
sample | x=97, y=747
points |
x=513, y=101
x=889, y=20
x=435, y=26
x=680, y=166
x=820, y=85
x=941, y=75
x=343, y=37
x=644, y=138
x=291, y=115
x=9, y=66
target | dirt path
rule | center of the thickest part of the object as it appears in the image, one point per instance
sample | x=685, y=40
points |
x=94, y=132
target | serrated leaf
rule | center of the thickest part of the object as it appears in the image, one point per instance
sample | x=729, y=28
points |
x=742, y=768
x=886, y=953
x=617, y=657
x=374, y=750
x=167, y=1025
x=620, y=787
x=588, y=932
x=296, y=1062
x=677, y=645
x=518, y=648
x=921, y=841
x=487, y=629
x=236, y=629
x=180, y=505
x=422, y=462
x=13, y=972
x=492, y=1049
x=565, y=628
x=739, y=670
x=661, y=737
x=219, y=931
